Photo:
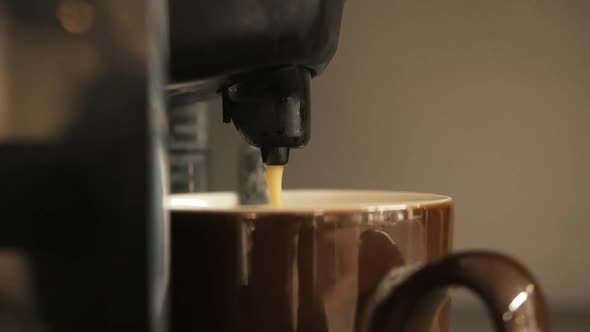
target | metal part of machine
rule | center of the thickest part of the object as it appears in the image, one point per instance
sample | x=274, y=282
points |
x=188, y=146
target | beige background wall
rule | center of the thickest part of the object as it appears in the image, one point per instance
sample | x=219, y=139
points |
x=487, y=101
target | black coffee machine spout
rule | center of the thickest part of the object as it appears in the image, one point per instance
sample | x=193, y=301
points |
x=260, y=56
x=271, y=111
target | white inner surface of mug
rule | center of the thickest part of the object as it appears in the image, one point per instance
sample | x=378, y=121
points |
x=306, y=200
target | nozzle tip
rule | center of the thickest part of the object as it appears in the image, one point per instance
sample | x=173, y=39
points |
x=275, y=156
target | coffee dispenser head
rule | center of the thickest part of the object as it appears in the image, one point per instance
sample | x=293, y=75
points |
x=271, y=110
x=259, y=55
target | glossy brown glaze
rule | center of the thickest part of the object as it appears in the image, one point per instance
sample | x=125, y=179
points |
x=287, y=272
x=409, y=297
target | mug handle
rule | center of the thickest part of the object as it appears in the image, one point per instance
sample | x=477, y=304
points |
x=409, y=297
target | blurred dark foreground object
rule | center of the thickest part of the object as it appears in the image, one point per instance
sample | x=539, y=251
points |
x=83, y=171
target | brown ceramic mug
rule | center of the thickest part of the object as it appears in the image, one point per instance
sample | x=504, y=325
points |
x=334, y=261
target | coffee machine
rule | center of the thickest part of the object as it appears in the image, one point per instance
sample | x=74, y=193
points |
x=84, y=89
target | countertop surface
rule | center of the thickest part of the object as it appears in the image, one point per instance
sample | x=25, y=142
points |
x=575, y=319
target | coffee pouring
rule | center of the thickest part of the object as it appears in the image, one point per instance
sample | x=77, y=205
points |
x=91, y=239
x=339, y=261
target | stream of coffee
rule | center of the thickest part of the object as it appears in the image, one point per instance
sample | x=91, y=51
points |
x=274, y=178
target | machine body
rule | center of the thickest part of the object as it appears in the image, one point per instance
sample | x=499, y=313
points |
x=260, y=56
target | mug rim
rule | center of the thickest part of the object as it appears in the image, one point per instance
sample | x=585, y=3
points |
x=308, y=201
